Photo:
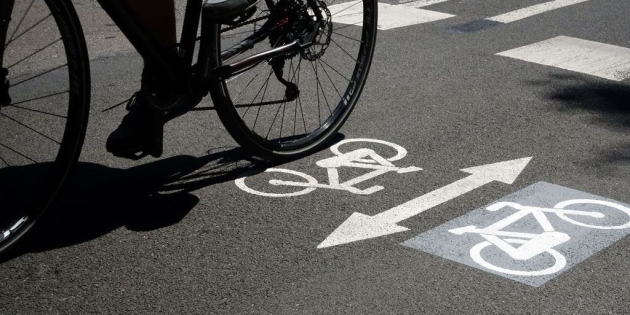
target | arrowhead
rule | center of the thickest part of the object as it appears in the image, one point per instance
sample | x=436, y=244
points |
x=505, y=172
x=360, y=227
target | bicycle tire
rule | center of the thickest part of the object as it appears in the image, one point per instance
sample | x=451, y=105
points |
x=44, y=124
x=343, y=65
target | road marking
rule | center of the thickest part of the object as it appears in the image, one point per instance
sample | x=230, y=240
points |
x=533, y=10
x=389, y=16
x=530, y=236
x=597, y=59
x=361, y=227
x=421, y=3
x=362, y=158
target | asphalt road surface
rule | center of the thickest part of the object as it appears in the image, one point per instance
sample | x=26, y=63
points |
x=458, y=84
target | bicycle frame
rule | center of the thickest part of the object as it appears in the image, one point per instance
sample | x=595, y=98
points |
x=177, y=71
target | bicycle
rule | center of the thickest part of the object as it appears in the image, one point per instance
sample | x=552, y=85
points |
x=319, y=69
x=531, y=245
x=361, y=158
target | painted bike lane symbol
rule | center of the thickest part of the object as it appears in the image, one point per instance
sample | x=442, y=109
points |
x=525, y=246
x=362, y=158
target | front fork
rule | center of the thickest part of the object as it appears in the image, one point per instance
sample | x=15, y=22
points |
x=6, y=8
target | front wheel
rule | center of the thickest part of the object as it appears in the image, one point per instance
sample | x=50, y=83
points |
x=291, y=106
x=44, y=100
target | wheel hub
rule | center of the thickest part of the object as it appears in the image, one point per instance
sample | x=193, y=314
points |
x=322, y=37
x=293, y=21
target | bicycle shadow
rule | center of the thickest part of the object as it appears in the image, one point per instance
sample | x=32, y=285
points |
x=99, y=199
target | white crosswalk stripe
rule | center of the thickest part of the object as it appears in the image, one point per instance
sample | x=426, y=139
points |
x=583, y=56
x=421, y=3
x=412, y=12
x=533, y=10
x=593, y=58
x=389, y=16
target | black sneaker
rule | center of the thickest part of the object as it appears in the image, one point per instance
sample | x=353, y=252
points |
x=140, y=132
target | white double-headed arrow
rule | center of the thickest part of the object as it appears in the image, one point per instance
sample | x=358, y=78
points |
x=361, y=227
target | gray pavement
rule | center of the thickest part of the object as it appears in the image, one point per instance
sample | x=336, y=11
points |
x=176, y=235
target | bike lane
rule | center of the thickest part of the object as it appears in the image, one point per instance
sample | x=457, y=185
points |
x=231, y=252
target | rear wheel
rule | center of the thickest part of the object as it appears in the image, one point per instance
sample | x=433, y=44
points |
x=291, y=106
x=44, y=99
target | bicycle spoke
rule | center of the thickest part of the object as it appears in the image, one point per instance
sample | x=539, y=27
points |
x=349, y=55
x=39, y=98
x=358, y=2
x=348, y=25
x=331, y=67
x=18, y=153
x=21, y=20
x=296, y=100
x=4, y=161
x=319, y=111
x=321, y=86
x=37, y=111
x=240, y=92
x=31, y=129
x=285, y=107
x=348, y=37
x=299, y=98
x=331, y=81
x=39, y=75
x=272, y=122
x=251, y=104
x=267, y=103
x=34, y=53
x=265, y=85
x=30, y=28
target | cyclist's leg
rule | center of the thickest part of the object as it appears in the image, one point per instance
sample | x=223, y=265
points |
x=140, y=132
x=159, y=18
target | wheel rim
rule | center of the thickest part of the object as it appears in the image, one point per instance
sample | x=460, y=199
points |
x=329, y=80
x=40, y=131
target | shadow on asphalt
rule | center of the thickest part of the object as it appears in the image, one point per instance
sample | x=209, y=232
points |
x=150, y=196
x=146, y=197
x=607, y=102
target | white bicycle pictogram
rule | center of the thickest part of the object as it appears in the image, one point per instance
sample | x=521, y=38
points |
x=362, y=158
x=525, y=246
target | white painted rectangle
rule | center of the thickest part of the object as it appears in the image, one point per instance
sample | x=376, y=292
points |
x=597, y=59
x=389, y=16
x=533, y=10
